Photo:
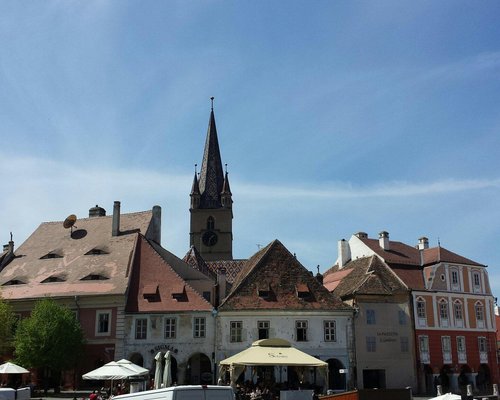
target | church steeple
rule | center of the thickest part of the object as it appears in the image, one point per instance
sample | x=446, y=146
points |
x=211, y=180
x=211, y=231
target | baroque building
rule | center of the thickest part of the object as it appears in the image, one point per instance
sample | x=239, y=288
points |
x=451, y=308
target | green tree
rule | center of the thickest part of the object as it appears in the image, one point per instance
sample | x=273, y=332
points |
x=51, y=338
x=7, y=323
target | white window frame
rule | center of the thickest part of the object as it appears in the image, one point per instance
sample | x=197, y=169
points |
x=98, y=314
x=171, y=324
x=461, y=350
x=330, y=330
x=444, y=313
x=423, y=348
x=458, y=313
x=421, y=311
x=301, y=325
x=236, y=331
x=479, y=311
x=476, y=281
x=482, y=347
x=446, y=348
x=140, y=330
x=455, y=279
x=199, y=327
x=263, y=326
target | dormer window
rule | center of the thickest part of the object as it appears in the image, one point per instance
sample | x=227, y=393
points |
x=151, y=293
x=476, y=281
x=264, y=291
x=96, y=251
x=14, y=282
x=52, y=254
x=94, y=277
x=303, y=291
x=52, y=279
x=179, y=293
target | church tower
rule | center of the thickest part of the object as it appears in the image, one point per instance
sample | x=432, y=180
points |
x=211, y=231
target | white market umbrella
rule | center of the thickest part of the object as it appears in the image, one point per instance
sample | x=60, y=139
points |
x=11, y=368
x=447, y=396
x=137, y=368
x=167, y=372
x=158, y=371
x=110, y=371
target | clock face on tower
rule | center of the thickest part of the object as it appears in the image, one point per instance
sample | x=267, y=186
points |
x=209, y=238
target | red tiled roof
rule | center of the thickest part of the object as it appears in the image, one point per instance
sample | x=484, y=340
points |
x=77, y=260
x=440, y=254
x=366, y=275
x=151, y=269
x=275, y=266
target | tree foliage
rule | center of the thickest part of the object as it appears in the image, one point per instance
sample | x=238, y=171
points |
x=7, y=322
x=51, y=337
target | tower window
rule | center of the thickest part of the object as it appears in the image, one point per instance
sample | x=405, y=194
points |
x=210, y=223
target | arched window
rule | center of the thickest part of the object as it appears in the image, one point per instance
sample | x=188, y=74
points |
x=443, y=312
x=479, y=308
x=458, y=313
x=210, y=223
x=421, y=312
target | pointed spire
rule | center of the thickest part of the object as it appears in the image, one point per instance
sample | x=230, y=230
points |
x=195, y=189
x=225, y=187
x=211, y=176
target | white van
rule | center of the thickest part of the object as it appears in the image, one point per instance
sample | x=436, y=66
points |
x=187, y=392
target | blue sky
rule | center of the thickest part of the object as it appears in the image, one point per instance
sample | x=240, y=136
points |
x=333, y=117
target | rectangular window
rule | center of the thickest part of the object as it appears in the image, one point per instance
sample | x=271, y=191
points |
x=141, y=328
x=236, y=328
x=263, y=327
x=404, y=343
x=170, y=325
x=103, y=322
x=402, y=317
x=371, y=344
x=370, y=317
x=301, y=331
x=461, y=344
x=482, y=344
x=454, y=277
x=330, y=331
x=446, y=343
x=199, y=327
x=423, y=342
x=476, y=279
x=459, y=314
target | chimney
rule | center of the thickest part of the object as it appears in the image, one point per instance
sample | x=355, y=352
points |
x=5, y=247
x=361, y=235
x=154, y=230
x=344, y=251
x=116, y=219
x=97, y=212
x=423, y=243
x=383, y=240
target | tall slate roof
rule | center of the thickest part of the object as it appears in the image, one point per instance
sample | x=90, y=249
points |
x=211, y=181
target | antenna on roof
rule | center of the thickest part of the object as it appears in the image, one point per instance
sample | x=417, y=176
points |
x=69, y=222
